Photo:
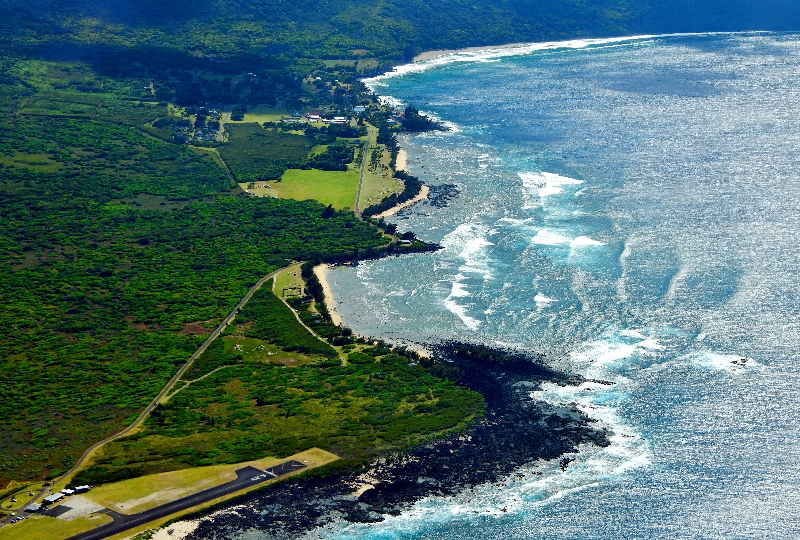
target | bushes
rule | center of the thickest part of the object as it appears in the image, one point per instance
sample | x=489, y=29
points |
x=411, y=189
x=108, y=250
x=275, y=323
x=254, y=153
x=335, y=158
x=253, y=409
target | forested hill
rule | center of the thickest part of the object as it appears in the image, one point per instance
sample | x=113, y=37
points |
x=388, y=29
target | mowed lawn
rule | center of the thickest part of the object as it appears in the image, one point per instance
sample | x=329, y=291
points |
x=147, y=492
x=337, y=188
x=48, y=528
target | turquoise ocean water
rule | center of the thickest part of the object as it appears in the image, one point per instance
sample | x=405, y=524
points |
x=629, y=207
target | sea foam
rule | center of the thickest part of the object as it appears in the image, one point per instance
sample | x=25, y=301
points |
x=494, y=54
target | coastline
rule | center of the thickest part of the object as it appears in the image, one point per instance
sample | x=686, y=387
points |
x=401, y=163
x=432, y=55
x=423, y=194
x=514, y=431
x=330, y=302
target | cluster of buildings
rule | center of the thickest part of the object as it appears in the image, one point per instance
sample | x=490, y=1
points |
x=313, y=118
x=55, y=497
x=205, y=135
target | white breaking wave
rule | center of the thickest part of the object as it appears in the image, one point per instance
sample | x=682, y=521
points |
x=488, y=55
x=543, y=185
x=470, y=243
x=549, y=238
x=458, y=291
x=586, y=241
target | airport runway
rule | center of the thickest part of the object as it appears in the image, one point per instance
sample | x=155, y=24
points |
x=245, y=477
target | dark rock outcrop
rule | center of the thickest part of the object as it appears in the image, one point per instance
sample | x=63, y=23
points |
x=516, y=430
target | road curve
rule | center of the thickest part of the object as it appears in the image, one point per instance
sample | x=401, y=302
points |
x=167, y=388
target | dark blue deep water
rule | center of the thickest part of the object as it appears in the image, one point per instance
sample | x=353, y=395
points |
x=631, y=208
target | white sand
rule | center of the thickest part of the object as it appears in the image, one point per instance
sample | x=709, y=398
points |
x=430, y=55
x=177, y=531
x=330, y=301
x=423, y=194
x=401, y=163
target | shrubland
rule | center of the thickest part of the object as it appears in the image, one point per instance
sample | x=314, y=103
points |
x=269, y=387
x=120, y=251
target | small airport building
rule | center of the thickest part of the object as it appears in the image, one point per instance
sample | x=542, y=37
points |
x=55, y=497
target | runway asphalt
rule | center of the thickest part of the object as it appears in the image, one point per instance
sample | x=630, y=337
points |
x=245, y=477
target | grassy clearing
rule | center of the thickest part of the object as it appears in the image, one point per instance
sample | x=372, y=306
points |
x=378, y=182
x=262, y=114
x=47, y=528
x=258, y=350
x=337, y=188
x=22, y=497
x=140, y=494
x=34, y=162
x=289, y=282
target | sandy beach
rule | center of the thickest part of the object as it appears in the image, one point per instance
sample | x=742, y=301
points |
x=401, y=163
x=430, y=55
x=330, y=301
x=423, y=194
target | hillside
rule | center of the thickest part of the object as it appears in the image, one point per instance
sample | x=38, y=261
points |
x=386, y=29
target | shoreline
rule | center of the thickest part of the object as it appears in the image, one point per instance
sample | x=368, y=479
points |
x=432, y=55
x=515, y=431
x=401, y=163
x=424, y=192
x=330, y=302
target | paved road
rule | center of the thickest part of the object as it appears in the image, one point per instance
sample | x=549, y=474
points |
x=361, y=178
x=246, y=477
x=168, y=386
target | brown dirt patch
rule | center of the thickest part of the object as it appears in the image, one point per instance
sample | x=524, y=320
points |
x=195, y=328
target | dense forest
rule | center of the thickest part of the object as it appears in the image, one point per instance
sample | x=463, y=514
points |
x=389, y=29
x=121, y=249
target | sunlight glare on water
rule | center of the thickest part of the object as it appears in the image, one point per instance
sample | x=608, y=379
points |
x=631, y=209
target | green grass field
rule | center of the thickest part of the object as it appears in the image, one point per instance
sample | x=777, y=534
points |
x=263, y=114
x=289, y=282
x=378, y=181
x=47, y=528
x=146, y=492
x=336, y=188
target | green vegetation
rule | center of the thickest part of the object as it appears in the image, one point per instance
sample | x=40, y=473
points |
x=411, y=188
x=118, y=249
x=274, y=323
x=253, y=408
x=338, y=189
x=254, y=153
x=348, y=31
x=48, y=528
x=336, y=157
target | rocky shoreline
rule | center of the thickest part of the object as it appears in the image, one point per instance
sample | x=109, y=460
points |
x=515, y=430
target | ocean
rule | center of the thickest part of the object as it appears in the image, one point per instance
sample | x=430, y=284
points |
x=628, y=207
